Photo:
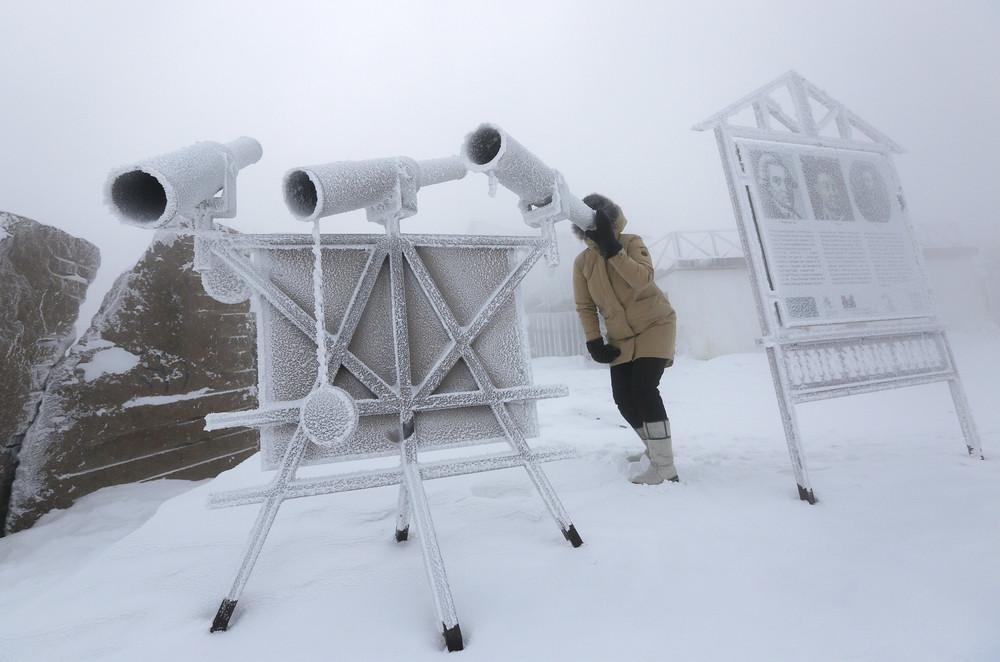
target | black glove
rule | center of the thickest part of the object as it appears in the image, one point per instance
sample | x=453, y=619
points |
x=603, y=234
x=602, y=353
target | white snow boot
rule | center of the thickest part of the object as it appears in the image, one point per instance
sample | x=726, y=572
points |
x=635, y=457
x=661, y=455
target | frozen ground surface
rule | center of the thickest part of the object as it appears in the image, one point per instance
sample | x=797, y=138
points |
x=898, y=560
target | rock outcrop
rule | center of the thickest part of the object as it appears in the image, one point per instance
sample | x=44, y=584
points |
x=127, y=403
x=44, y=275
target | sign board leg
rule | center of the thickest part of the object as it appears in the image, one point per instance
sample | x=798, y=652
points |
x=790, y=424
x=403, y=510
x=965, y=418
x=962, y=409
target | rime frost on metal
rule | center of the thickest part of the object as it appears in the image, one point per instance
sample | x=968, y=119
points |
x=385, y=188
x=838, y=279
x=160, y=189
x=328, y=416
x=544, y=197
x=452, y=298
x=368, y=345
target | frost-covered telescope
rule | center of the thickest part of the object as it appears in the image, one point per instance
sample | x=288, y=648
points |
x=385, y=188
x=544, y=196
x=153, y=192
x=419, y=341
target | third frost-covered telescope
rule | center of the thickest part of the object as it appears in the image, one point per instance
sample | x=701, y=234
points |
x=384, y=187
x=491, y=150
x=151, y=193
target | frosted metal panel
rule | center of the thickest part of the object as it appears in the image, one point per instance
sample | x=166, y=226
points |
x=465, y=277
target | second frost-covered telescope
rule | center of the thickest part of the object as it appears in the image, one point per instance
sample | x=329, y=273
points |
x=151, y=193
x=542, y=190
x=386, y=188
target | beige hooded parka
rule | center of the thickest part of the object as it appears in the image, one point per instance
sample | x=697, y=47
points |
x=638, y=316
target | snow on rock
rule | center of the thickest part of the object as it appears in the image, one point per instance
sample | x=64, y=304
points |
x=113, y=360
x=44, y=275
x=128, y=402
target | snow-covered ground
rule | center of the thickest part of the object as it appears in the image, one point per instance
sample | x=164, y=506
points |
x=897, y=561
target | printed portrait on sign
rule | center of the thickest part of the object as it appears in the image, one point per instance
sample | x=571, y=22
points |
x=777, y=185
x=871, y=196
x=827, y=190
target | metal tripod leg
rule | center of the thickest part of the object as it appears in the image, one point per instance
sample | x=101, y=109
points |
x=403, y=515
x=265, y=518
x=433, y=563
x=403, y=510
x=537, y=476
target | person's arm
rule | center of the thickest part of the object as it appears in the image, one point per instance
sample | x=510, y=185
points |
x=634, y=264
x=587, y=310
x=585, y=306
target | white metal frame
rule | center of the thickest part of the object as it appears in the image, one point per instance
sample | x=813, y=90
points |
x=314, y=421
x=230, y=252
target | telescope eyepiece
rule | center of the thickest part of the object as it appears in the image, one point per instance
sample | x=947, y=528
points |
x=139, y=196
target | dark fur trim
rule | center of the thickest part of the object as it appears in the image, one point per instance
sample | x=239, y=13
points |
x=595, y=201
x=607, y=212
x=602, y=204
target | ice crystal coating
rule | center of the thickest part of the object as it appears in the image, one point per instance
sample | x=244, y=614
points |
x=152, y=192
x=223, y=285
x=329, y=416
x=542, y=190
x=386, y=188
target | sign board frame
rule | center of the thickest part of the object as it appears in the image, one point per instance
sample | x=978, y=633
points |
x=838, y=278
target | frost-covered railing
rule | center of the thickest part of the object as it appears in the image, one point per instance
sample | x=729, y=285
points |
x=941, y=235
x=694, y=245
x=556, y=334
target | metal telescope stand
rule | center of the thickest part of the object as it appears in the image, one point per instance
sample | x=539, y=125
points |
x=404, y=398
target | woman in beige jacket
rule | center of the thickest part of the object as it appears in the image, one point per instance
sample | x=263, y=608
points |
x=613, y=278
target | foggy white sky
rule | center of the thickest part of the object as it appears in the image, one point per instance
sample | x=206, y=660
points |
x=606, y=95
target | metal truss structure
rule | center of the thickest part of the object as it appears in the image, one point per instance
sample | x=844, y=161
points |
x=414, y=343
x=460, y=381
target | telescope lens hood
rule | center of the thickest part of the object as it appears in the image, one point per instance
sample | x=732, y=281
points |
x=139, y=197
x=301, y=194
x=483, y=145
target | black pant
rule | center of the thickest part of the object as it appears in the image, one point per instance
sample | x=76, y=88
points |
x=635, y=388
